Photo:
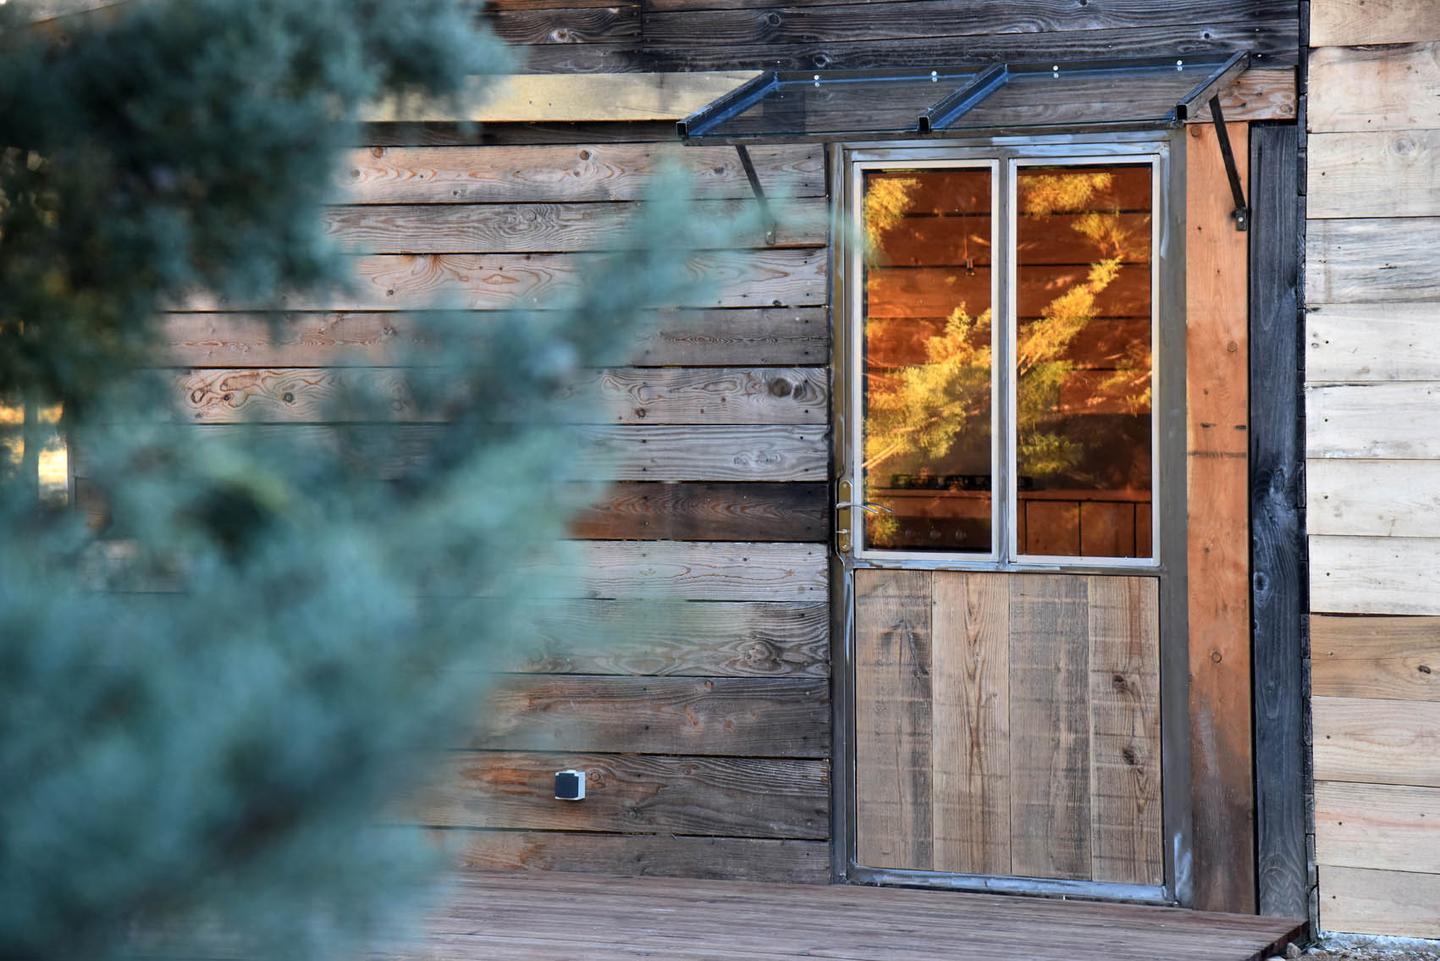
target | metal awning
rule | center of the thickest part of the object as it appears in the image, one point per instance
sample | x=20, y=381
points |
x=795, y=106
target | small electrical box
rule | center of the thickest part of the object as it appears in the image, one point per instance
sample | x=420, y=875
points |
x=569, y=785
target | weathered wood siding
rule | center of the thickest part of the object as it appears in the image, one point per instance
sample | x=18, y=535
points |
x=706, y=731
x=1373, y=461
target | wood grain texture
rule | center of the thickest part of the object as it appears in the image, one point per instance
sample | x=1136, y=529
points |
x=1346, y=343
x=1377, y=826
x=681, y=638
x=625, y=793
x=687, y=570
x=893, y=725
x=1383, y=173
x=1373, y=498
x=1374, y=575
x=763, y=336
x=1258, y=94
x=587, y=172
x=1124, y=698
x=1383, y=421
x=970, y=753
x=1366, y=901
x=1374, y=88
x=1374, y=741
x=1050, y=819
x=722, y=716
x=1217, y=473
x=713, y=395
x=1376, y=657
x=708, y=512
x=544, y=227
x=1350, y=23
x=1362, y=261
x=642, y=855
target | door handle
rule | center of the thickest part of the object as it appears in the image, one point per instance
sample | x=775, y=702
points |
x=868, y=507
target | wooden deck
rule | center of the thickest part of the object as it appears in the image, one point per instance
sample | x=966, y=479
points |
x=560, y=917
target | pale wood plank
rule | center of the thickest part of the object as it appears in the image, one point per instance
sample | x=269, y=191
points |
x=759, y=278
x=1374, y=741
x=1391, y=173
x=1379, y=421
x=1050, y=791
x=1258, y=94
x=589, y=172
x=893, y=671
x=1362, y=261
x=1374, y=498
x=1354, y=22
x=567, y=98
x=1374, y=575
x=1379, y=902
x=1125, y=804
x=765, y=395
x=689, y=570
x=1377, y=826
x=1346, y=343
x=1374, y=88
x=970, y=754
x=1217, y=476
x=1378, y=657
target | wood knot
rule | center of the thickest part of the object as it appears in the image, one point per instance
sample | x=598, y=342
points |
x=1130, y=757
x=1216, y=657
x=780, y=387
x=1118, y=683
x=584, y=155
x=1425, y=669
x=288, y=397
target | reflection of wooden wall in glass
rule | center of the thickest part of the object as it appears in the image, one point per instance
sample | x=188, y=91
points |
x=927, y=359
x=1084, y=444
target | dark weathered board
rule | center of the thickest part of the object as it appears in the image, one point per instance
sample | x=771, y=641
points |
x=708, y=512
x=729, y=797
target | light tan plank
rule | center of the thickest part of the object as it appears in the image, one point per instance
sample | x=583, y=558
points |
x=589, y=172
x=617, y=396
x=1373, y=498
x=1378, y=826
x=1363, y=901
x=1125, y=804
x=1378, y=657
x=1049, y=727
x=1375, y=575
x=893, y=658
x=1373, y=741
x=1258, y=94
x=1350, y=23
x=1362, y=261
x=1375, y=88
x=970, y=756
x=569, y=98
x=760, y=278
x=1393, y=173
x=1376, y=421
x=1345, y=343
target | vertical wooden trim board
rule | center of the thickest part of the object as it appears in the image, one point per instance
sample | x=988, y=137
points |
x=1217, y=467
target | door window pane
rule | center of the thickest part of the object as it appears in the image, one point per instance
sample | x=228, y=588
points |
x=1084, y=457
x=926, y=360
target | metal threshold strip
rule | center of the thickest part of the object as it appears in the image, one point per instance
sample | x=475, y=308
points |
x=1002, y=98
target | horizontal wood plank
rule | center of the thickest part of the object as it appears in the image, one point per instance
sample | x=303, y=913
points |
x=721, y=716
x=1374, y=575
x=627, y=793
x=1375, y=741
x=1382, y=173
x=573, y=173
x=1366, y=901
x=662, y=855
x=723, y=278
x=1374, y=88
x=689, y=570
x=708, y=512
x=1354, y=22
x=1258, y=94
x=1382, y=421
x=545, y=227
x=724, y=395
x=1361, y=261
x=1375, y=657
x=1377, y=826
x=583, y=23
x=1346, y=343
x=671, y=639
x=755, y=336
x=1373, y=498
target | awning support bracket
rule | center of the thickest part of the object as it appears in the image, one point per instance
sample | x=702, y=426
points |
x=1237, y=191
x=767, y=216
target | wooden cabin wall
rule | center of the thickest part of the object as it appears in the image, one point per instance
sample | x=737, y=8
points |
x=1373, y=461
x=706, y=734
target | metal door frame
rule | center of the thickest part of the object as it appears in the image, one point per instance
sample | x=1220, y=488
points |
x=1169, y=509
